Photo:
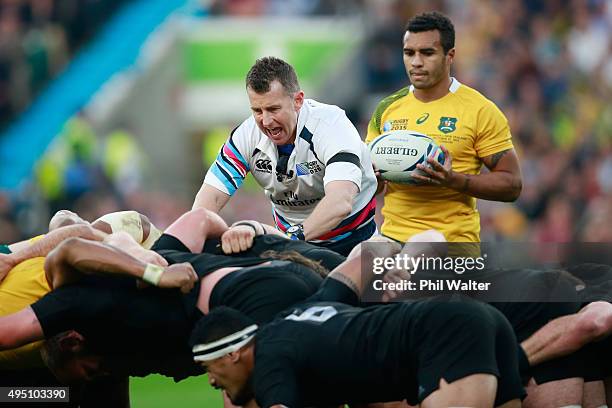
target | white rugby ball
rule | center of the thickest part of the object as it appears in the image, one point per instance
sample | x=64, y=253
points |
x=397, y=153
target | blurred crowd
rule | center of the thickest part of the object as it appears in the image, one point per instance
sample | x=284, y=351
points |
x=547, y=64
x=246, y=8
x=37, y=39
x=91, y=174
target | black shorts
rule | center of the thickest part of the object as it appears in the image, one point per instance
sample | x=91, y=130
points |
x=458, y=338
x=262, y=291
x=597, y=360
x=570, y=366
x=169, y=242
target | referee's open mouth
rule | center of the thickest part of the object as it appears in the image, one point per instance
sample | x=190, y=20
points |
x=274, y=132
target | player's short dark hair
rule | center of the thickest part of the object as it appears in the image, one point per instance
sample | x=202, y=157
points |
x=434, y=20
x=268, y=69
x=219, y=323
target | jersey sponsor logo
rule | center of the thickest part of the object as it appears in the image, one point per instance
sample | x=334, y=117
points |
x=447, y=124
x=396, y=124
x=306, y=168
x=422, y=119
x=263, y=165
x=294, y=203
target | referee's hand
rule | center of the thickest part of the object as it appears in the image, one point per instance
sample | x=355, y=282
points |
x=181, y=275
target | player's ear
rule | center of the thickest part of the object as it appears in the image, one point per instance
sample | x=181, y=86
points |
x=234, y=356
x=450, y=56
x=298, y=100
x=72, y=341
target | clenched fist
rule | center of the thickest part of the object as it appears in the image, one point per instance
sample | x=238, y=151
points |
x=238, y=238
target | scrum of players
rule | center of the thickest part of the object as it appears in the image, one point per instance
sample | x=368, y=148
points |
x=274, y=321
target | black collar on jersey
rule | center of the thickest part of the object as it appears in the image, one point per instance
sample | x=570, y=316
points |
x=281, y=166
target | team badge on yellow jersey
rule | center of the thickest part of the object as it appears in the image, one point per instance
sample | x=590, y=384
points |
x=447, y=124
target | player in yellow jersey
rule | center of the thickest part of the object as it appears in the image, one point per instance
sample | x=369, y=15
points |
x=22, y=274
x=471, y=130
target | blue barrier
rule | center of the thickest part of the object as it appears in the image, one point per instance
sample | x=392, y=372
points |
x=115, y=48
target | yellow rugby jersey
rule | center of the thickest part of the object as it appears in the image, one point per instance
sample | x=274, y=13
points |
x=23, y=285
x=27, y=282
x=471, y=127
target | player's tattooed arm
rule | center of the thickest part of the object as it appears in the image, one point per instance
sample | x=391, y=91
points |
x=493, y=160
x=503, y=182
x=466, y=183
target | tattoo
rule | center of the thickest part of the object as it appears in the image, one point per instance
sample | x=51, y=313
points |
x=346, y=280
x=495, y=158
x=466, y=184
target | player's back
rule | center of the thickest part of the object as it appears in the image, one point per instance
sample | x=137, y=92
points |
x=270, y=242
x=338, y=350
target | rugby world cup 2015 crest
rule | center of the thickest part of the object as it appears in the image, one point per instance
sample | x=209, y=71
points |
x=447, y=124
x=307, y=168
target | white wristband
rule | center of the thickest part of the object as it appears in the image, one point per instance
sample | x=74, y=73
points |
x=152, y=274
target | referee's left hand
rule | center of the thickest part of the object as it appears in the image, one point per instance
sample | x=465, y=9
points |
x=436, y=173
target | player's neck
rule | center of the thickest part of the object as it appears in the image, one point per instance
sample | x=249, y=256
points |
x=437, y=91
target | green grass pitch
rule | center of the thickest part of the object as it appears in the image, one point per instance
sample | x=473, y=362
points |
x=156, y=391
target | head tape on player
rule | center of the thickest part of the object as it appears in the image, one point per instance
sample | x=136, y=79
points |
x=228, y=344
